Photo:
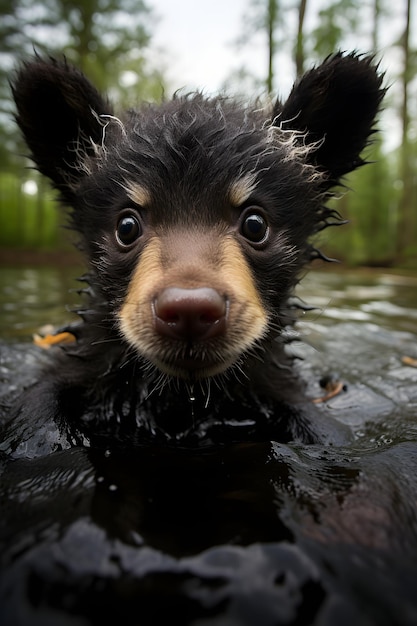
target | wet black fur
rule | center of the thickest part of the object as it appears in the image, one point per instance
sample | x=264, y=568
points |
x=187, y=152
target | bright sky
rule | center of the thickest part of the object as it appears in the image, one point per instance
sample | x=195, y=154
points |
x=198, y=41
x=199, y=36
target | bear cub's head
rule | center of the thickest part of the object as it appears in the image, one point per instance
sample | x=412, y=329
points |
x=196, y=214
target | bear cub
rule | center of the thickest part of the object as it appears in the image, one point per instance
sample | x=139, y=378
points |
x=195, y=217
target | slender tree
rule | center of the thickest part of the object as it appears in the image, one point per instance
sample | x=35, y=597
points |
x=376, y=13
x=406, y=210
x=376, y=225
x=271, y=23
x=299, y=51
x=265, y=17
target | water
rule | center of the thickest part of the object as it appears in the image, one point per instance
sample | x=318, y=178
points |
x=247, y=533
x=33, y=297
x=366, y=323
x=387, y=299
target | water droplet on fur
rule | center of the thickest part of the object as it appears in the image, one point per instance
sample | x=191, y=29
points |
x=136, y=539
x=112, y=487
x=191, y=398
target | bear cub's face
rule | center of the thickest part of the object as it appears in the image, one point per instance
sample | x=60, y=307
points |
x=196, y=214
x=197, y=217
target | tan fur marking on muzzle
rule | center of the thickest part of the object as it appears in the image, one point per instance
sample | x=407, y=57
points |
x=215, y=261
x=250, y=316
x=135, y=313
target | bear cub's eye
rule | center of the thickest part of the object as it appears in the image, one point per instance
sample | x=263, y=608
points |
x=128, y=230
x=254, y=226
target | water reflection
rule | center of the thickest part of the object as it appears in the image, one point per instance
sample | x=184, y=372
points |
x=33, y=297
x=386, y=299
x=363, y=323
x=254, y=532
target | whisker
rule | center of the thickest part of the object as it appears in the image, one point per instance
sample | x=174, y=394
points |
x=99, y=342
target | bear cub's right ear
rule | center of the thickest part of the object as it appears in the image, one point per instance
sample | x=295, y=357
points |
x=333, y=107
x=58, y=113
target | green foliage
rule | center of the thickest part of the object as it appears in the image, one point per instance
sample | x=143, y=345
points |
x=110, y=41
x=335, y=19
x=105, y=38
x=28, y=220
x=370, y=208
x=382, y=206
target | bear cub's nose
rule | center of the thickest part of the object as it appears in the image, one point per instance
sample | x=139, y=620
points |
x=190, y=314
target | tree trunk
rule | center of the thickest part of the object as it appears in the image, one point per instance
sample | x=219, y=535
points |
x=375, y=26
x=376, y=209
x=271, y=25
x=299, y=52
x=406, y=217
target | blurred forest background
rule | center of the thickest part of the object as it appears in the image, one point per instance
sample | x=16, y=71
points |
x=111, y=40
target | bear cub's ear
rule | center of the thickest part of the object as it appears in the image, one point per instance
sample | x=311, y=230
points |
x=334, y=106
x=58, y=113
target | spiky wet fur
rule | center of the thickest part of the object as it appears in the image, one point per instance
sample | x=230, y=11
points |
x=190, y=168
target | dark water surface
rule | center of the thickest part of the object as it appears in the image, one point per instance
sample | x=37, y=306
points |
x=248, y=533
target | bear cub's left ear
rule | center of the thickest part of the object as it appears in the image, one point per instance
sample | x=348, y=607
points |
x=334, y=106
x=58, y=113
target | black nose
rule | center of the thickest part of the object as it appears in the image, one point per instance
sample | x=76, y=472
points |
x=190, y=314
